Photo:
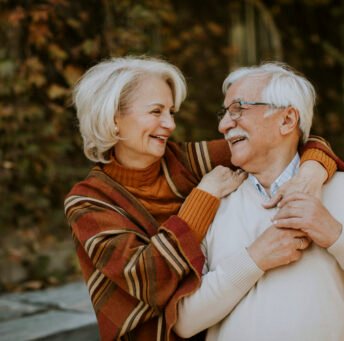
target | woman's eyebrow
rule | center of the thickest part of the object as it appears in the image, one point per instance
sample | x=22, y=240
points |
x=155, y=103
x=159, y=105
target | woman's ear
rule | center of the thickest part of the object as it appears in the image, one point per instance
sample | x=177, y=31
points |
x=290, y=121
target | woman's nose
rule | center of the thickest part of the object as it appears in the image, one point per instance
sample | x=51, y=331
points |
x=167, y=121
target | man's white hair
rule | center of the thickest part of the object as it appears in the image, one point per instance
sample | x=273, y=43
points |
x=285, y=87
x=107, y=88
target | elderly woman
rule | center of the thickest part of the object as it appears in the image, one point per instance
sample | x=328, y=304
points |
x=138, y=246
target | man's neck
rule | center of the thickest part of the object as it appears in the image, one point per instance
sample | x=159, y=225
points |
x=282, y=178
x=274, y=166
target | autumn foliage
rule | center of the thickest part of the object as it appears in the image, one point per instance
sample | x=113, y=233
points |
x=47, y=45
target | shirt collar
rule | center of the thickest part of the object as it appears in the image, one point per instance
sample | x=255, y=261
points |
x=286, y=175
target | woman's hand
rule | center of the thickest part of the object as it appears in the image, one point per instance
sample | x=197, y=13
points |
x=309, y=180
x=221, y=181
x=306, y=213
x=276, y=247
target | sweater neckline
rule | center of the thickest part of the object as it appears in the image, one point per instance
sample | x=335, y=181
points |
x=132, y=177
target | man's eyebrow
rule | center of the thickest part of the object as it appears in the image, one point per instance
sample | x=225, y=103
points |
x=233, y=101
x=237, y=100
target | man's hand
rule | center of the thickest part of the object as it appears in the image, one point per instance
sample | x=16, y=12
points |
x=276, y=247
x=304, y=212
x=309, y=180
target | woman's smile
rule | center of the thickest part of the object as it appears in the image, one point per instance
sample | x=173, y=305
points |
x=149, y=114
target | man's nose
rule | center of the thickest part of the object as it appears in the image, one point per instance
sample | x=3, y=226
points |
x=226, y=124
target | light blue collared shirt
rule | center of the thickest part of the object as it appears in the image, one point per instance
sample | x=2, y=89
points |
x=286, y=175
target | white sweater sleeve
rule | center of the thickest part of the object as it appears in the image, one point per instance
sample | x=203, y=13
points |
x=337, y=249
x=221, y=289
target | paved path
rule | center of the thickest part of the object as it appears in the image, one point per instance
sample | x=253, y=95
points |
x=63, y=313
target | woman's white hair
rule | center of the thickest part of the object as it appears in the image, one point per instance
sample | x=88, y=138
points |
x=106, y=89
x=285, y=87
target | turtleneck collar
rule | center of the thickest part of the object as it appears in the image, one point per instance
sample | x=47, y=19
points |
x=132, y=177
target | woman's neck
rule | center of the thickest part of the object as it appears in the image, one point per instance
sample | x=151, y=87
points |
x=128, y=176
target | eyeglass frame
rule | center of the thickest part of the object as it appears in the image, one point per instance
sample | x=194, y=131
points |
x=223, y=111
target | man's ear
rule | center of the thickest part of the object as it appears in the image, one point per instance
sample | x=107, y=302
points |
x=290, y=120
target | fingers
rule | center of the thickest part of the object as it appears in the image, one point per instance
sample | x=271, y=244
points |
x=273, y=201
x=226, y=173
x=302, y=243
x=295, y=233
x=289, y=211
x=233, y=181
x=239, y=176
x=280, y=199
x=274, y=248
x=290, y=223
x=296, y=196
x=219, y=170
x=221, y=181
x=298, y=211
x=239, y=171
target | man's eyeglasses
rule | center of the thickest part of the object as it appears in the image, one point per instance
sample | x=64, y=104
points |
x=236, y=108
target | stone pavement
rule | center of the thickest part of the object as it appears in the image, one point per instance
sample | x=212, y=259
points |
x=62, y=313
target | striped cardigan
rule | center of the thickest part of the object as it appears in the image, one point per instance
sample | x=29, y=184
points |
x=131, y=265
x=135, y=270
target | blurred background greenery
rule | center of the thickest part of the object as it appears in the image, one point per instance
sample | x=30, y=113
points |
x=47, y=45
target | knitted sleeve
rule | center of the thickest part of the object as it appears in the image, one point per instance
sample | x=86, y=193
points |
x=198, y=211
x=221, y=290
x=320, y=150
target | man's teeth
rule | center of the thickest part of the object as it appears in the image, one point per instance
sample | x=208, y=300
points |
x=237, y=139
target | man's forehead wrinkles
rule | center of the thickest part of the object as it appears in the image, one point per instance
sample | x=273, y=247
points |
x=248, y=89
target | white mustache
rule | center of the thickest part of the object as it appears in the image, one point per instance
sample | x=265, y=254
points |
x=236, y=132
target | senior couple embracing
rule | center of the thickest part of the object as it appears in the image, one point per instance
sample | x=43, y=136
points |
x=239, y=238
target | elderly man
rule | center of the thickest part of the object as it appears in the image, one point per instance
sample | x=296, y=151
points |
x=271, y=274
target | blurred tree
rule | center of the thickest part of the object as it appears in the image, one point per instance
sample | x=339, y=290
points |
x=47, y=45
x=313, y=42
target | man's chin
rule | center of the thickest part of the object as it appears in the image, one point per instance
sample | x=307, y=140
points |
x=236, y=164
x=237, y=161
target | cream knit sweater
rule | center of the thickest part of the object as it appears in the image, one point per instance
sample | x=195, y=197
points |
x=237, y=301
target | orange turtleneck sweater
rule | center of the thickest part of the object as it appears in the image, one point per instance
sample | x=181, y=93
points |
x=150, y=187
